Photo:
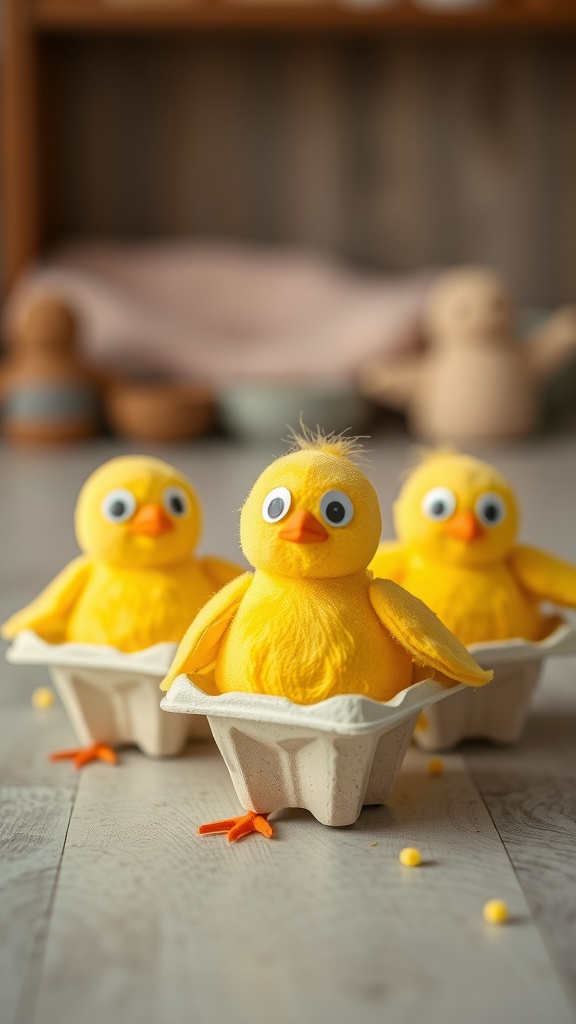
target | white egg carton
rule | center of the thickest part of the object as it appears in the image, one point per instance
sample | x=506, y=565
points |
x=331, y=758
x=497, y=711
x=112, y=697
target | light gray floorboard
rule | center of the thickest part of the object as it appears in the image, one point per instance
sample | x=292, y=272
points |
x=530, y=792
x=33, y=824
x=152, y=922
x=140, y=920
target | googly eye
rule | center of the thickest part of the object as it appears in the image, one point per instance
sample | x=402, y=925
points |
x=439, y=504
x=175, y=501
x=491, y=509
x=119, y=505
x=336, y=508
x=276, y=504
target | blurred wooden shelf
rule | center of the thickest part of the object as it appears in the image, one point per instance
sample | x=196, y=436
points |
x=30, y=27
x=297, y=16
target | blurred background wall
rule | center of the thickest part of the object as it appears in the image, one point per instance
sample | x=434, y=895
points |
x=398, y=152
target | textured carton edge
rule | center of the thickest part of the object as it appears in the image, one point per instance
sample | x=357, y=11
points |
x=112, y=697
x=496, y=712
x=330, y=758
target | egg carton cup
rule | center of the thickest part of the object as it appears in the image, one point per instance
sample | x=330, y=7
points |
x=112, y=697
x=330, y=758
x=498, y=710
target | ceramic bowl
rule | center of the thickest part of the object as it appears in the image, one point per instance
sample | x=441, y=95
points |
x=266, y=410
x=161, y=411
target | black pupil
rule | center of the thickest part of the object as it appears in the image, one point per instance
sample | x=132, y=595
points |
x=118, y=508
x=276, y=508
x=335, y=512
x=176, y=504
x=492, y=513
x=438, y=508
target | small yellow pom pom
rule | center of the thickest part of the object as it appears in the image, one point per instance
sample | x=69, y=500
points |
x=435, y=766
x=410, y=857
x=496, y=912
x=43, y=697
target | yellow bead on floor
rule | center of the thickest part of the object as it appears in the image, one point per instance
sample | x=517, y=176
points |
x=496, y=912
x=435, y=766
x=43, y=697
x=410, y=857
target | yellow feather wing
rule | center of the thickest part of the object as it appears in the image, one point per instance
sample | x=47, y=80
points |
x=48, y=613
x=545, y=576
x=389, y=562
x=199, y=647
x=422, y=635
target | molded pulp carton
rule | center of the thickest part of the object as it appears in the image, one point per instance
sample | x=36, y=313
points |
x=112, y=697
x=497, y=711
x=331, y=758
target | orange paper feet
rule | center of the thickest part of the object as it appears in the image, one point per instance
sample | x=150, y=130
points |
x=237, y=828
x=84, y=755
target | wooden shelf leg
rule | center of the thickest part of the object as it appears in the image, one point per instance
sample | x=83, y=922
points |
x=21, y=169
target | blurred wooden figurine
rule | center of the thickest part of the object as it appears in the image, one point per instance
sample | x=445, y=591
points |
x=474, y=381
x=47, y=392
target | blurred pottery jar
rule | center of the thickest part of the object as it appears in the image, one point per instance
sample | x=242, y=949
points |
x=475, y=381
x=48, y=394
x=148, y=410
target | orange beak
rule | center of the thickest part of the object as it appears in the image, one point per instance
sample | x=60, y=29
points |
x=303, y=528
x=464, y=526
x=151, y=521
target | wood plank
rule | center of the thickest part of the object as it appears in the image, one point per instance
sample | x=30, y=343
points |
x=28, y=737
x=212, y=101
x=308, y=175
x=33, y=824
x=393, y=196
x=490, y=160
x=396, y=154
x=530, y=792
x=559, y=250
x=21, y=199
x=152, y=922
x=86, y=15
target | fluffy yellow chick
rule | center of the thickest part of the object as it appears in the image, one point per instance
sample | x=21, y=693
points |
x=138, y=582
x=457, y=521
x=310, y=623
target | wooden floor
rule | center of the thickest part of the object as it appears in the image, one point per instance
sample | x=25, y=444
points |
x=113, y=910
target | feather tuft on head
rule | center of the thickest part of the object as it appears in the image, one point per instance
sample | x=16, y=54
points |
x=341, y=445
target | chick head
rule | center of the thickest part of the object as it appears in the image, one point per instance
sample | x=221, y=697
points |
x=456, y=509
x=469, y=305
x=312, y=513
x=137, y=512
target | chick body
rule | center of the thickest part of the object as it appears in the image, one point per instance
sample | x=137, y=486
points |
x=138, y=581
x=351, y=652
x=134, y=608
x=457, y=521
x=477, y=603
x=310, y=623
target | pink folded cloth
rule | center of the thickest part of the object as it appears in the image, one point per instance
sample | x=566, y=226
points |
x=223, y=312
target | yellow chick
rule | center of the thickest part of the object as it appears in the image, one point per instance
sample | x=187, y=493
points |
x=457, y=521
x=310, y=623
x=138, y=582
